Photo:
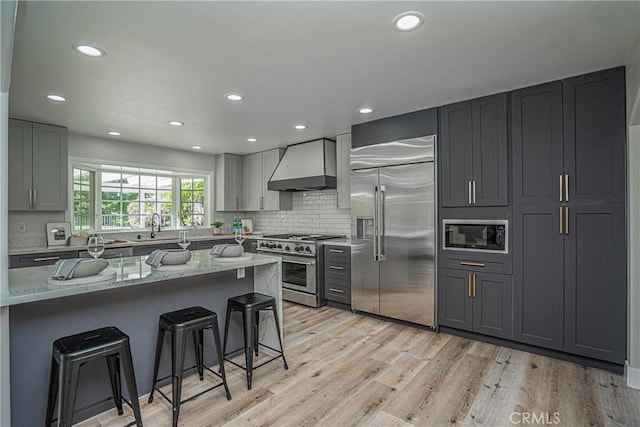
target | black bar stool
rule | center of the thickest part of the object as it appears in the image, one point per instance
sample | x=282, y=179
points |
x=179, y=323
x=70, y=353
x=250, y=306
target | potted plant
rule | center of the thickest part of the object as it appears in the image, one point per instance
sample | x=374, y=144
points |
x=217, y=227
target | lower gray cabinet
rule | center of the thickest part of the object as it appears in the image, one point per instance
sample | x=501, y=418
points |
x=337, y=273
x=147, y=249
x=36, y=260
x=475, y=301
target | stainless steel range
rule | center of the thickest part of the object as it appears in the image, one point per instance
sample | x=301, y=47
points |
x=302, y=265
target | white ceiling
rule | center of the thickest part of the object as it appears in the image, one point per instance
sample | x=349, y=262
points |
x=295, y=62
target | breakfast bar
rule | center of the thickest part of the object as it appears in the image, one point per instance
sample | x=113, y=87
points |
x=131, y=297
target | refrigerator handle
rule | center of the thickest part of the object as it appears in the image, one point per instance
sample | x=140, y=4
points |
x=381, y=221
x=375, y=223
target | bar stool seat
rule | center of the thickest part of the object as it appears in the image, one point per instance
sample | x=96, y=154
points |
x=250, y=306
x=70, y=353
x=179, y=323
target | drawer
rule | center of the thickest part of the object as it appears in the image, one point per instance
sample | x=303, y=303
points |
x=147, y=249
x=337, y=292
x=337, y=254
x=336, y=269
x=35, y=260
x=487, y=263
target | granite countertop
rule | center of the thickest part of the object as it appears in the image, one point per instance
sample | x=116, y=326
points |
x=30, y=284
x=122, y=244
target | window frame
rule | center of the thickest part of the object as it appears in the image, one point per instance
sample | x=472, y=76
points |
x=97, y=167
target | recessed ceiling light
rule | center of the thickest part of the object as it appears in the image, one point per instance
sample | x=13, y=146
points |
x=408, y=21
x=87, y=50
x=252, y=139
x=114, y=133
x=300, y=127
x=57, y=98
x=175, y=123
x=365, y=110
x=234, y=97
x=197, y=147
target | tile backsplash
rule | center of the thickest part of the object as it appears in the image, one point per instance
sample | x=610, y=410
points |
x=313, y=212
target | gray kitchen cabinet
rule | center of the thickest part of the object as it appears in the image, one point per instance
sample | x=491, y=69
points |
x=595, y=136
x=228, y=182
x=38, y=159
x=538, y=272
x=343, y=171
x=473, y=146
x=147, y=249
x=39, y=259
x=475, y=301
x=208, y=244
x=536, y=137
x=595, y=282
x=337, y=273
x=258, y=168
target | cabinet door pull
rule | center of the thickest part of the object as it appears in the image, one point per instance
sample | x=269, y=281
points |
x=473, y=264
x=338, y=291
x=337, y=199
x=30, y=199
x=566, y=220
x=333, y=267
x=261, y=202
x=474, y=285
x=469, y=285
x=474, y=191
x=336, y=251
x=469, y=192
x=49, y=258
x=561, y=232
x=560, y=188
x=566, y=188
x=35, y=198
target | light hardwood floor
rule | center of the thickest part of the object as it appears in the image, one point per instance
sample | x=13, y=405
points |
x=348, y=370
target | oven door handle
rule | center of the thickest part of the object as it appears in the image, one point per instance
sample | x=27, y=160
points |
x=298, y=262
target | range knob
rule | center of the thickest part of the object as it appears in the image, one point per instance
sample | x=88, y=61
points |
x=272, y=245
x=308, y=249
x=286, y=248
x=279, y=246
x=299, y=248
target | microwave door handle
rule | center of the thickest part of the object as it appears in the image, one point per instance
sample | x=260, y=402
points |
x=381, y=221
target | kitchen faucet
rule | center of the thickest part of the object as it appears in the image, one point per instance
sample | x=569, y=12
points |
x=153, y=233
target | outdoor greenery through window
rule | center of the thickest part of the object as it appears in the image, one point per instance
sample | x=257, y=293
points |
x=123, y=198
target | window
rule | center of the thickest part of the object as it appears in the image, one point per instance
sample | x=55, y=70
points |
x=126, y=198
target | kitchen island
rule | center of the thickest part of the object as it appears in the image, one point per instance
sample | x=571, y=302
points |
x=133, y=300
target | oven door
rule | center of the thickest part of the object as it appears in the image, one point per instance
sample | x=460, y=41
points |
x=299, y=274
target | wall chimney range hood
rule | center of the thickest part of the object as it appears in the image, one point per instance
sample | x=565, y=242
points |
x=306, y=166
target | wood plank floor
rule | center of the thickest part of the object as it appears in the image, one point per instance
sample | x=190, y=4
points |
x=353, y=370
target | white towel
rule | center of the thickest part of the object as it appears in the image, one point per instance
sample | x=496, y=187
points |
x=64, y=268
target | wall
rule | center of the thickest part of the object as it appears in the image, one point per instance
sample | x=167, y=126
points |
x=313, y=212
x=105, y=150
x=633, y=214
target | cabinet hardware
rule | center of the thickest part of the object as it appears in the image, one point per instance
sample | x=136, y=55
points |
x=336, y=251
x=30, y=199
x=35, y=198
x=561, y=232
x=566, y=188
x=237, y=203
x=49, y=258
x=560, y=188
x=337, y=199
x=566, y=220
x=469, y=192
x=469, y=284
x=333, y=267
x=474, y=285
x=473, y=264
x=261, y=202
x=474, y=191
x=339, y=291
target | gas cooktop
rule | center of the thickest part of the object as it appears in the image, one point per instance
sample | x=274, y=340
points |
x=302, y=236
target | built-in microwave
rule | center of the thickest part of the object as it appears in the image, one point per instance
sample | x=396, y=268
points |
x=478, y=235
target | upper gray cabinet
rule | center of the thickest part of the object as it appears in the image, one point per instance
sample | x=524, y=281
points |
x=594, y=137
x=473, y=146
x=38, y=163
x=228, y=182
x=258, y=168
x=343, y=171
x=536, y=135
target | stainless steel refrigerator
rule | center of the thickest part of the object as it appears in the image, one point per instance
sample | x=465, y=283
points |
x=393, y=229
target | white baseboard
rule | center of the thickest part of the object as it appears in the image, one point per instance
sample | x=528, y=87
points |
x=632, y=375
